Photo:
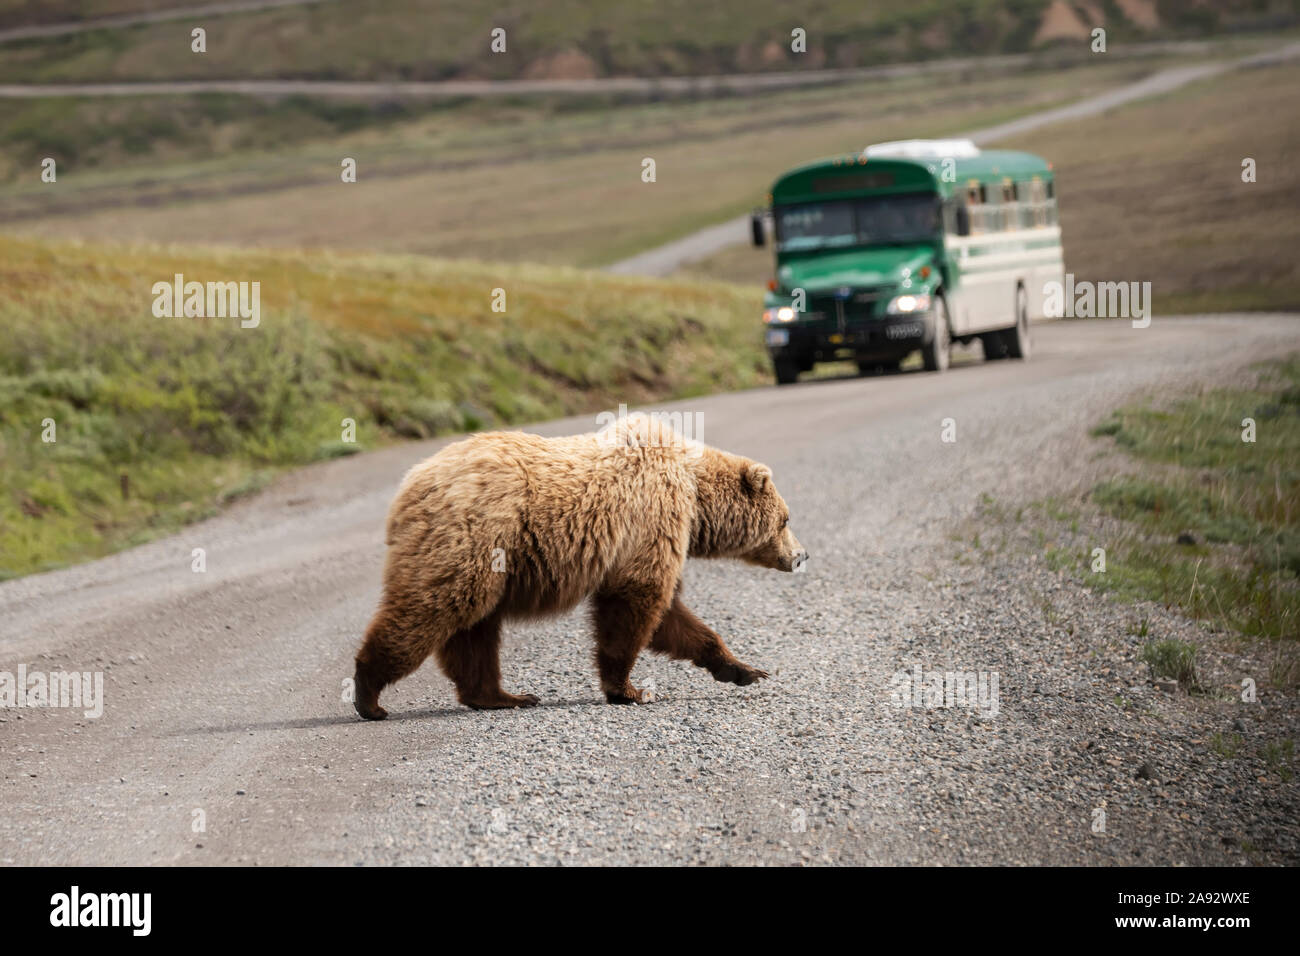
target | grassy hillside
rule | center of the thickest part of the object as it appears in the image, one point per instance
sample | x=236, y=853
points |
x=556, y=182
x=159, y=420
x=380, y=39
x=1153, y=192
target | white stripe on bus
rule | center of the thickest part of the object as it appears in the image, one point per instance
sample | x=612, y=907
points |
x=997, y=238
x=1033, y=258
x=979, y=278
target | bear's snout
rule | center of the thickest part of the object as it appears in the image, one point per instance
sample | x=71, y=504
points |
x=793, y=560
x=790, y=554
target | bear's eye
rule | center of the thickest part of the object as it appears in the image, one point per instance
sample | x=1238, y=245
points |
x=785, y=522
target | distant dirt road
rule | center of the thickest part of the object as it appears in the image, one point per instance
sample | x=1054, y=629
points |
x=224, y=704
x=44, y=30
x=668, y=258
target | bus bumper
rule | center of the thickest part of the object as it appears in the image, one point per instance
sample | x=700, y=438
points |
x=893, y=337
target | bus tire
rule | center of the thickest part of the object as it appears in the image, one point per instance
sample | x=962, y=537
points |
x=936, y=352
x=1017, y=337
x=787, y=372
x=995, y=346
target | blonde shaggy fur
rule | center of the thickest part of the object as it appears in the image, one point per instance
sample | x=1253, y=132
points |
x=507, y=525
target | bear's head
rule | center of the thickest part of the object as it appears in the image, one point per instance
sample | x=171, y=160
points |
x=740, y=514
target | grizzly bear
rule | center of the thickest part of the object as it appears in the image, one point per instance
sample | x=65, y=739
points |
x=509, y=525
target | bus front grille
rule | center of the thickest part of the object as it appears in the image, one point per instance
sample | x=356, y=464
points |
x=860, y=306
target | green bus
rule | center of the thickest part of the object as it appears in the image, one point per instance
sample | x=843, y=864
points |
x=909, y=246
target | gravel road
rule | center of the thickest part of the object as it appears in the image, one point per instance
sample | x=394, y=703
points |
x=223, y=688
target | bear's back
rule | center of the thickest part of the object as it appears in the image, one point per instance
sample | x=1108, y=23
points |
x=585, y=501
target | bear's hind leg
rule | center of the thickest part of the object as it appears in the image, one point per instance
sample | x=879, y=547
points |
x=471, y=658
x=683, y=636
x=389, y=652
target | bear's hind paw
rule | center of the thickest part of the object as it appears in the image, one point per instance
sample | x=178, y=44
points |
x=372, y=712
x=739, y=674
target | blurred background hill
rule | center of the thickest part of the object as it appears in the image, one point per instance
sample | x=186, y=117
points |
x=436, y=40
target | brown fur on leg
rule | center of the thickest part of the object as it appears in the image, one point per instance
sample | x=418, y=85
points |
x=377, y=667
x=625, y=620
x=683, y=636
x=397, y=642
x=471, y=658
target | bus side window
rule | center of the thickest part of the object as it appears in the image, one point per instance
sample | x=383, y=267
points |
x=976, y=212
x=949, y=213
x=1010, y=206
x=1037, y=204
x=1051, y=202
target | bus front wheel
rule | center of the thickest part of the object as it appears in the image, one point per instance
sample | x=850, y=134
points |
x=1017, y=338
x=935, y=353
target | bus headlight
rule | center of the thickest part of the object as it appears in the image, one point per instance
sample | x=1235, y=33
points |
x=906, y=304
x=782, y=314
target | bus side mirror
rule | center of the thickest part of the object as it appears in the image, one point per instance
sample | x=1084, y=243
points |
x=963, y=221
x=756, y=228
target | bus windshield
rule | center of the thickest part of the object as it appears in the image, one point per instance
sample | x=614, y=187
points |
x=877, y=220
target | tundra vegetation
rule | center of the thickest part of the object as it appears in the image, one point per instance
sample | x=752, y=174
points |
x=1194, y=517
x=157, y=421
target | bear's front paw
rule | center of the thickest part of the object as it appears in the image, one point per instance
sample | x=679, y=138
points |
x=500, y=701
x=737, y=673
x=628, y=695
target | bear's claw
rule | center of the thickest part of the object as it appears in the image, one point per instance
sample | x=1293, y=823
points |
x=371, y=713
x=739, y=674
x=628, y=695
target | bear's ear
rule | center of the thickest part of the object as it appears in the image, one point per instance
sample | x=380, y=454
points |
x=755, y=477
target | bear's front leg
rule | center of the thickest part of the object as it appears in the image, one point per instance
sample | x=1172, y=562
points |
x=625, y=620
x=683, y=636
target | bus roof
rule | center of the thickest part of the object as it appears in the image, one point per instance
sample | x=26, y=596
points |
x=855, y=174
